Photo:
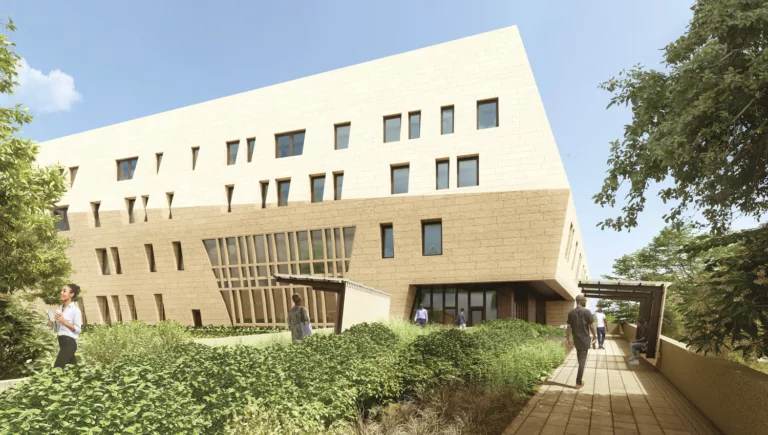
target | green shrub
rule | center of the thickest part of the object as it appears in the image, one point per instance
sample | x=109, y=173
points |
x=120, y=398
x=125, y=341
x=306, y=387
x=26, y=344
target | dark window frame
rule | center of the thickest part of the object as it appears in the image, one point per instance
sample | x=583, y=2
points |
x=195, y=155
x=486, y=101
x=130, y=206
x=280, y=183
x=264, y=189
x=73, y=174
x=410, y=133
x=336, y=134
x=438, y=162
x=229, y=153
x=96, y=217
x=337, y=192
x=452, y=108
x=178, y=254
x=383, y=228
x=475, y=157
x=392, y=177
x=384, y=125
x=312, y=192
x=290, y=147
x=229, y=192
x=424, y=224
x=62, y=211
x=127, y=159
x=250, y=144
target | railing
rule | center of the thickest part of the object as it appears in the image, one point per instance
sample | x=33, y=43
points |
x=732, y=396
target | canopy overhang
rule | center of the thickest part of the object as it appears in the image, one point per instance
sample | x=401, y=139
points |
x=357, y=302
x=650, y=295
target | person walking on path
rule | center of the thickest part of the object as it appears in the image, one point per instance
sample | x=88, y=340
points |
x=600, y=319
x=581, y=324
x=462, y=319
x=298, y=316
x=67, y=323
x=640, y=341
x=421, y=316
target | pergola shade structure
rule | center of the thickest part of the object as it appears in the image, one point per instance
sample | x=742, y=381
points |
x=357, y=302
x=649, y=294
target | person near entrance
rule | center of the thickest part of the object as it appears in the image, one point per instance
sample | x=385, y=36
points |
x=600, y=319
x=581, y=324
x=640, y=342
x=67, y=323
x=462, y=319
x=421, y=316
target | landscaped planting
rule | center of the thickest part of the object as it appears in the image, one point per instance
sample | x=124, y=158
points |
x=319, y=385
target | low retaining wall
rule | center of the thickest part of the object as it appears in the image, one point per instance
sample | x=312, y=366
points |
x=8, y=383
x=732, y=396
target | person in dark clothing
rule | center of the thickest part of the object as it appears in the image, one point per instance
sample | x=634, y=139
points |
x=581, y=324
x=640, y=341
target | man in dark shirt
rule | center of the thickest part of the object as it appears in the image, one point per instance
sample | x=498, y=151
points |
x=581, y=324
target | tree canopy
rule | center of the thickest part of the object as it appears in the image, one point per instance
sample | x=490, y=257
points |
x=698, y=124
x=33, y=257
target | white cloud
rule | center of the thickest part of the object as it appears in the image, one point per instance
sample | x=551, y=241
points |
x=51, y=93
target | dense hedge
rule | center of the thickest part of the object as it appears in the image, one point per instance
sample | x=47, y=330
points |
x=207, y=331
x=306, y=386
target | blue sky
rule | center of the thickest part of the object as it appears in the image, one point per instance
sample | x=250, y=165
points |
x=96, y=63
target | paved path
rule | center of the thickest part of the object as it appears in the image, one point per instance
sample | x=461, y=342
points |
x=618, y=398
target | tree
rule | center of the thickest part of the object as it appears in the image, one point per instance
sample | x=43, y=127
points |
x=33, y=257
x=727, y=307
x=700, y=124
x=620, y=311
x=24, y=342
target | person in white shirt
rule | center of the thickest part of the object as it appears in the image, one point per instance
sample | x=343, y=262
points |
x=600, y=318
x=422, y=317
x=67, y=324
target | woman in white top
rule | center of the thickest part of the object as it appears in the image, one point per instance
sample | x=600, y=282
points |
x=68, y=323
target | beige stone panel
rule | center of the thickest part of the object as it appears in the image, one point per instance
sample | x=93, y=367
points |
x=465, y=258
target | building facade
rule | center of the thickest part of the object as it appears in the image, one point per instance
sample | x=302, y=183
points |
x=432, y=175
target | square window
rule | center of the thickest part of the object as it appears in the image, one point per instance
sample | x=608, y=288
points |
x=400, y=179
x=62, y=224
x=468, y=171
x=442, y=174
x=387, y=241
x=447, y=120
x=251, y=148
x=318, y=186
x=414, y=125
x=338, y=185
x=232, y=148
x=289, y=144
x=487, y=114
x=126, y=168
x=342, y=136
x=432, y=237
x=283, y=189
x=391, y=128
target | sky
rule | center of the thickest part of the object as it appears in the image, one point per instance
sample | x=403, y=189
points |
x=89, y=64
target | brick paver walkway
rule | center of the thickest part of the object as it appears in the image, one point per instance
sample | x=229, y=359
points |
x=618, y=398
